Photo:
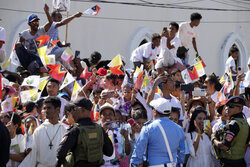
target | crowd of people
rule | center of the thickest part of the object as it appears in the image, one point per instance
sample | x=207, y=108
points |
x=145, y=116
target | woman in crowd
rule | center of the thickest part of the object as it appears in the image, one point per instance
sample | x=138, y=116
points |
x=199, y=143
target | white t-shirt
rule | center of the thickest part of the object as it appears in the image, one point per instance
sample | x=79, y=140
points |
x=186, y=34
x=174, y=103
x=2, y=39
x=144, y=51
x=175, y=41
x=17, y=146
x=230, y=63
x=247, y=79
x=246, y=111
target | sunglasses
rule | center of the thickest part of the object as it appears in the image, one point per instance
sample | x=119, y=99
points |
x=35, y=22
x=232, y=106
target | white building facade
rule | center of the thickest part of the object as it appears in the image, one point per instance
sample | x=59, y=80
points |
x=122, y=25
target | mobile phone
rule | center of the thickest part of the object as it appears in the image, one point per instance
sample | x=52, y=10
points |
x=240, y=70
x=206, y=124
x=132, y=122
x=199, y=92
x=77, y=54
x=187, y=88
x=114, y=125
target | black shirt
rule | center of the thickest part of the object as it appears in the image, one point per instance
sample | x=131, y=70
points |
x=101, y=64
x=69, y=142
x=4, y=144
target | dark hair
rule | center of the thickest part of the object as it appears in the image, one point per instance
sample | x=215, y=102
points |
x=233, y=49
x=95, y=57
x=176, y=110
x=54, y=80
x=197, y=111
x=55, y=101
x=30, y=105
x=39, y=102
x=16, y=121
x=176, y=25
x=155, y=36
x=111, y=76
x=68, y=107
x=195, y=16
x=213, y=79
x=136, y=103
x=54, y=13
x=140, y=114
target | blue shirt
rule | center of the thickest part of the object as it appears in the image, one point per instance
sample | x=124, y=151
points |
x=152, y=139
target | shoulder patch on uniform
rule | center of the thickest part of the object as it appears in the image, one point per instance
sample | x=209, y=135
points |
x=229, y=137
x=233, y=122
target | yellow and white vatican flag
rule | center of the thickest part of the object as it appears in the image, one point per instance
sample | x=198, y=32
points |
x=76, y=89
x=67, y=80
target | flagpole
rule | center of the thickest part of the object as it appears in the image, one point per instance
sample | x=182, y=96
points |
x=66, y=33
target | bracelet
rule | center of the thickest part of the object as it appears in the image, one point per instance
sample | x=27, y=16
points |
x=198, y=134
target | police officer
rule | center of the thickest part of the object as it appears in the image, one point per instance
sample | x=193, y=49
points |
x=152, y=138
x=85, y=141
x=230, y=143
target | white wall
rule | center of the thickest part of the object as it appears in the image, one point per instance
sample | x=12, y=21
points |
x=110, y=37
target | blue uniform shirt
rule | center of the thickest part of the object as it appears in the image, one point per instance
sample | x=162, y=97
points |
x=152, y=139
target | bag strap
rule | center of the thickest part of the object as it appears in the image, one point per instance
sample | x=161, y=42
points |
x=166, y=141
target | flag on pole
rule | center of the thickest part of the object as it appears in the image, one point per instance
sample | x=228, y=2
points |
x=146, y=85
x=61, y=5
x=139, y=80
x=76, y=90
x=117, y=70
x=92, y=11
x=43, y=82
x=29, y=95
x=199, y=59
x=48, y=60
x=13, y=57
x=32, y=81
x=86, y=73
x=42, y=39
x=192, y=73
x=186, y=77
x=221, y=96
x=7, y=105
x=67, y=55
x=67, y=80
x=200, y=69
x=116, y=65
x=57, y=71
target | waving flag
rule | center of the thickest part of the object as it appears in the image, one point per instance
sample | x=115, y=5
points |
x=67, y=55
x=29, y=95
x=86, y=73
x=186, y=77
x=200, y=69
x=43, y=82
x=199, y=59
x=67, y=80
x=221, y=96
x=32, y=81
x=42, y=52
x=43, y=39
x=193, y=73
x=92, y=11
x=116, y=66
x=146, y=85
x=7, y=105
x=57, y=71
x=76, y=89
x=139, y=81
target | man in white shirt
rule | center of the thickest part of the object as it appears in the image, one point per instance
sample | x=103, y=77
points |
x=230, y=63
x=2, y=43
x=247, y=77
x=166, y=84
x=187, y=33
x=52, y=88
x=169, y=45
x=46, y=137
x=147, y=52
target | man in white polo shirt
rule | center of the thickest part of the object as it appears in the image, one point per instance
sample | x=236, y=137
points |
x=147, y=52
x=230, y=63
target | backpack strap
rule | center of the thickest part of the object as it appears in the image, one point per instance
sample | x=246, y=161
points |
x=166, y=141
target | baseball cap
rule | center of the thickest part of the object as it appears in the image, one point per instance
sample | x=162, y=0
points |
x=161, y=105
x=32, y=17
x=84, y=103
x=235, y=100
x=102, y=71
x=106, y=106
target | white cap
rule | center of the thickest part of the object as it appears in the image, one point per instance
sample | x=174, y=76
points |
x=161, y=105
x=105, y=106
